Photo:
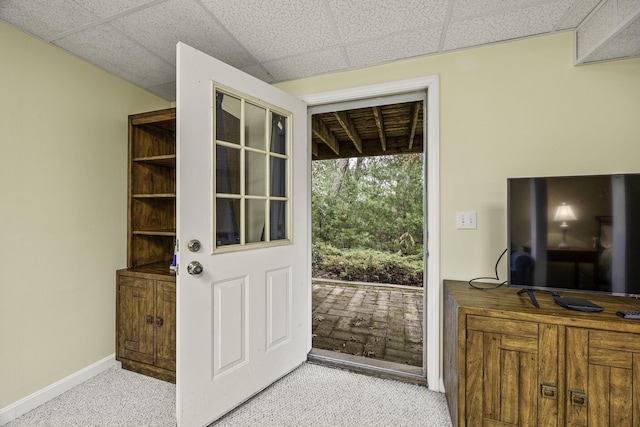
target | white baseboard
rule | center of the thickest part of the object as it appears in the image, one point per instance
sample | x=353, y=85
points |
x=26, y=404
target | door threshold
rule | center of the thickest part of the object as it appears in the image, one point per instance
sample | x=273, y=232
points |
x=367, y=366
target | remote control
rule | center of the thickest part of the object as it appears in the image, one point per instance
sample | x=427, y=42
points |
x=629, y=314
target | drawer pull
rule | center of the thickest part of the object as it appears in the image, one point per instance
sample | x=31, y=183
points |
x=549, y=391
x=578, y=398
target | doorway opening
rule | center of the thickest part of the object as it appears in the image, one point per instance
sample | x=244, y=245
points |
x=368, y=232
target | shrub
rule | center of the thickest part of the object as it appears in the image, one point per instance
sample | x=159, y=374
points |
x=366, y=265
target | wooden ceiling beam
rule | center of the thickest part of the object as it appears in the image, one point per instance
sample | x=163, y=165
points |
x=314, y=149
x=414, y=123
x=349, y=128
x=320, y=130
x=370, y=148
x=377, y=114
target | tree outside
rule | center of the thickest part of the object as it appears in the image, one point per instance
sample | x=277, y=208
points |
x=367, y=219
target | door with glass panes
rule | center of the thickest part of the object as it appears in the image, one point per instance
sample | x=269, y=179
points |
x=244, y=288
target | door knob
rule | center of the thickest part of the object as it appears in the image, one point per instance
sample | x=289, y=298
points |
x=194, y=268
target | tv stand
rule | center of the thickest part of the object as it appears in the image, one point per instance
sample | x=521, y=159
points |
x=507, y=363
x=532, y=297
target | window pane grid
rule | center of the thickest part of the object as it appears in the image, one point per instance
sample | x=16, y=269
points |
x=255, y=202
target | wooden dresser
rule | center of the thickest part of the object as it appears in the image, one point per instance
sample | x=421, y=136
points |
x=507, y=363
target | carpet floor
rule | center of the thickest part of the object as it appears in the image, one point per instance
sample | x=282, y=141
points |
x=311, y=395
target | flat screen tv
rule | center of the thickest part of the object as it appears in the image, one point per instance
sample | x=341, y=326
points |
x=575, y=233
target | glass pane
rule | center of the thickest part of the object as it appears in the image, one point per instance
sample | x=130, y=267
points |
x=227, y=170
x=278, y=177
x=254, y=126
x=278, y=134
x=227, y=118
x=227, y=218
x=278, y=212
x=255, y=217
x=255, y=174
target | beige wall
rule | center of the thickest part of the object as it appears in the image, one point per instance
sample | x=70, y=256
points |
x=63, y=154
x=512, y=109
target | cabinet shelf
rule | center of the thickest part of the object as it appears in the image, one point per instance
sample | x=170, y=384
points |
x=154, y=196
x=168, y=160
x=155, y=232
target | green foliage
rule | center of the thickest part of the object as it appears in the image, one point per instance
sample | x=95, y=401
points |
x=366, y=265
x=369, y=202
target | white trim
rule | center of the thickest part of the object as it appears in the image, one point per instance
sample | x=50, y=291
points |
x=26, y=404
x=430, y=84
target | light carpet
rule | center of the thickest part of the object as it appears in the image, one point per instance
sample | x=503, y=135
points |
x=311, y=395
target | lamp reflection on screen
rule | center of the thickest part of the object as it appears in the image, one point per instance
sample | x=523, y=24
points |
x=564, y=213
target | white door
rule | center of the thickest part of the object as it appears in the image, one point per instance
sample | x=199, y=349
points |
x=242, y=193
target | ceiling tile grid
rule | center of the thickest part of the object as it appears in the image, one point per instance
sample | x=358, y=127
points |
x=288, y=39
x=43, y=18
x=310, y=64
x=105, y=9
x=394, y=47
x=181, y=21
x=360, y=20
x=505, y=25
x=110, y=50
x=273, y=30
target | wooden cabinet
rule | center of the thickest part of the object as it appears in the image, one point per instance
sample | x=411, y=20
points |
x=507, y=363
x=146, y=323
x=146, y=289
x=603, y=378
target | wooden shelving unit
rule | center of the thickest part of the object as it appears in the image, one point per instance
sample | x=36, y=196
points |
x=146, y=332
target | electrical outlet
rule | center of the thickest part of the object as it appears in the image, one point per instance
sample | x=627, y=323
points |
x=466, y=220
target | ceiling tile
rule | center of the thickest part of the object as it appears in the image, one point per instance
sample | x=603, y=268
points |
x=166, y=90
x=45, y=18
x=576, y=14
x=107, y=48
x=467, y=9
x=394, y=47
x=271, y=30
x=185, y=21
x=104, y=9
x=625, y=44
x=504, y=26
x=360, y=20
x=259, y=73
x=310, y=64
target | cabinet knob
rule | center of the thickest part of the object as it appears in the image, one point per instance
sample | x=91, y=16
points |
x=194, y=268
x=149, y=319
x=159, y=321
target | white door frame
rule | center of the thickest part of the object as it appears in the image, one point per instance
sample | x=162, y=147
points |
x=431, y=85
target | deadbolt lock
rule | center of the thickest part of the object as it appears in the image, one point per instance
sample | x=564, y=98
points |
x=194, y=245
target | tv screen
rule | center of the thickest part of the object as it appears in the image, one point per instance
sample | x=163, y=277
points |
x=577, y=233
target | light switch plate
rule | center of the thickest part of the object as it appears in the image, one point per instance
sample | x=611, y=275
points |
x=466, y=220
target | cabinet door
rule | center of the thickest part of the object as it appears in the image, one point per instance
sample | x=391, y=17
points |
x=511, y=373
x=135, y=311
x=603, y=378
x=166, y=325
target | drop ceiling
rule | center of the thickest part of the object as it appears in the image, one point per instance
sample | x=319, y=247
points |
x=280, y=40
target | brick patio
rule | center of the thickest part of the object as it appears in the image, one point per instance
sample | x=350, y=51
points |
x=378, y=322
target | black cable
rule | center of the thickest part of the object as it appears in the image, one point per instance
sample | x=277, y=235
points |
x=497, y=277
